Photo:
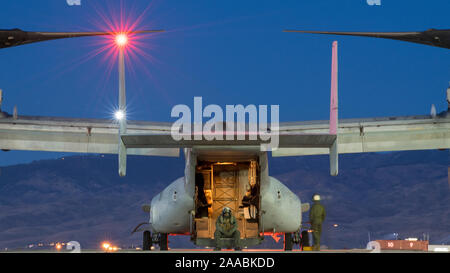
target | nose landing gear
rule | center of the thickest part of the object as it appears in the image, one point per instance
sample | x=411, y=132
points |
x=147, y=240
x=291, y=239
x=157, y=238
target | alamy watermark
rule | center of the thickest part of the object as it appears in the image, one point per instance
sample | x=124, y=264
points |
x=374, y=2
x=73, y=2
x=235, y=128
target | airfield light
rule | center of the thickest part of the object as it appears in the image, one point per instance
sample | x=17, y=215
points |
x=119, y=114
x=121, y=40
x=58, y=246
x=106, y=245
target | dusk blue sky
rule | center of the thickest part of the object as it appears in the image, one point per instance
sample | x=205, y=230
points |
x=228, y=52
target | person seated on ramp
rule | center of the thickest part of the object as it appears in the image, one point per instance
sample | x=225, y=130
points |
x=227, y=227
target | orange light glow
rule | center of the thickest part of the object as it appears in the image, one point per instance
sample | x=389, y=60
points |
x=58, y=246
x=108, y=247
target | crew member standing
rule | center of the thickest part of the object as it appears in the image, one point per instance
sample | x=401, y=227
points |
x=316, y=217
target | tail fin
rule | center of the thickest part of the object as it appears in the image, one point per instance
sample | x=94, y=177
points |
x=122, y=149
x=334, y=91
x=334, y=110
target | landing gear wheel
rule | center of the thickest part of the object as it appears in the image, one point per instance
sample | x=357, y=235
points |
x=164, y=242
x=304, y=241
x=288, y=242
x=147, y=241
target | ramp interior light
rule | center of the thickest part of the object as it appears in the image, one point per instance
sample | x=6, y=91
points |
x=119, y=115
x=121, y=40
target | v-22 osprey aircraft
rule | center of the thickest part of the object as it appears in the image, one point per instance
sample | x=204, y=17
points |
x=221, y=173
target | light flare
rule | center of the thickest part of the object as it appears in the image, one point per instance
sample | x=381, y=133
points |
x=121, y=39
x=119, y=115
x=121, y=21
x=106, y=245
x=58, y=246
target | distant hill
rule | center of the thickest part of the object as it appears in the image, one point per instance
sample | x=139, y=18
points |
x=82, y=198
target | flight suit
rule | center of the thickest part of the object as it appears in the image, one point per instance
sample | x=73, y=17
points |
x=316, y=217
x=227, y=227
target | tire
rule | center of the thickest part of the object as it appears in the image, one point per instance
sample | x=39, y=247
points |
x=288, y=242
x=164, y=242
x=147, y=241
x=304, y=241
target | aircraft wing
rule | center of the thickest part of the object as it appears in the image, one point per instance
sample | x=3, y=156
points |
x=98, y=136
x=375, y=134
x=312, y=137
x=154, y=138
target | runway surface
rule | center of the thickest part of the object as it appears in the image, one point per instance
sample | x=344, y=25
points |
x=178, y=251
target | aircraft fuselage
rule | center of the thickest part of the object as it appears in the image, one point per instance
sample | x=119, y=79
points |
x=274, y=209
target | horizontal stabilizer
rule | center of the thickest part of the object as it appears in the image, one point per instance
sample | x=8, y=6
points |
x=286, y=140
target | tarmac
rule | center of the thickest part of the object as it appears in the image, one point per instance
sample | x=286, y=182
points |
x=178, y=251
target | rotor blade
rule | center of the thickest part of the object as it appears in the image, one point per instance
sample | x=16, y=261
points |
x=84, y=34
x=432, y=37
x=16, y=37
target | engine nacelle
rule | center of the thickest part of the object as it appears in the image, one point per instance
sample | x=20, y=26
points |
x=170, y=209
x=281, y=207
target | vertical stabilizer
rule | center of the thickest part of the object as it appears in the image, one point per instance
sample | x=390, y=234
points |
x=334, y=110
x=122, y=150
x=334, y=91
